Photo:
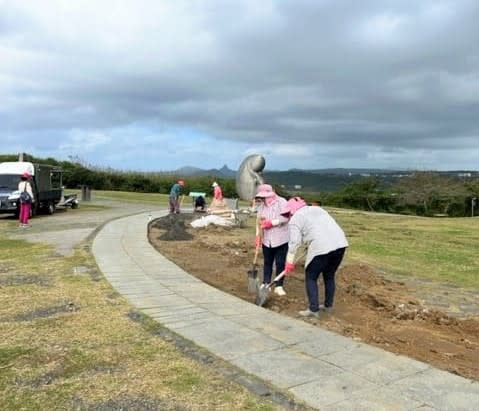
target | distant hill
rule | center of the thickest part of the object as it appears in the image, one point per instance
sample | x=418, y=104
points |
x=224, y=172
x=328, y=179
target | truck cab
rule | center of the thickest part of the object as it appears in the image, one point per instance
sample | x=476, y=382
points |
x=46, y=184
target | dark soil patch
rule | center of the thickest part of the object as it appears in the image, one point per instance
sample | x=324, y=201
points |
x=174, y=227
x=130, y=404
x=14, y=280
x=45, y=312
x=369, y=308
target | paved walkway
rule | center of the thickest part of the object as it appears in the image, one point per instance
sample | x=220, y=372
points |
x=324, y=370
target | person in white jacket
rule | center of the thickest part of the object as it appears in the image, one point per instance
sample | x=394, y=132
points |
x=25, y=206
x=327, y=244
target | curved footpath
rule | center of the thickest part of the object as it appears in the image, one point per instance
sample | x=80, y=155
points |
x=322, y=369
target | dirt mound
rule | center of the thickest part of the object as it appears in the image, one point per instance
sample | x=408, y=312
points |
x=174, y=226
x=369, y=307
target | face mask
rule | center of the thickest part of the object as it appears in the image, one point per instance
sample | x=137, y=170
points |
x=269, y=200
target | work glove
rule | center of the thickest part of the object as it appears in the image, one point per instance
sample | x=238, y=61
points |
x=266, y=224
x=257, y=241
x=288, y=268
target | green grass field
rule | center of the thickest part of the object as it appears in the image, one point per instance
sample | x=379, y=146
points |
x=439, y=249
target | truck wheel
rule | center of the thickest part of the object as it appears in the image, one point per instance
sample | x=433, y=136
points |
x=74, y=205
x=51, y=208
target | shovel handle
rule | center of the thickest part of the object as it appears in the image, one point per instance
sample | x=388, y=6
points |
x=278, y=277
x=256, y=251
x=283, y=273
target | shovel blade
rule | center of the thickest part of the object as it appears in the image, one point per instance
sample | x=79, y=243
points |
x=252, y=280
x=262, y=294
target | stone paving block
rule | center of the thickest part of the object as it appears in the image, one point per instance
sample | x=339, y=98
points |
x=225, y=339
x=383, y=399
x=175, y=322
x=180, y=312
x=355, y=357
x=333, y=389
x=244, y=344
x=441, y=390
x=284, y=330
x=171, y=301
x=325, y=342
x=153, y=303
x=390, y=368
x=285, y=368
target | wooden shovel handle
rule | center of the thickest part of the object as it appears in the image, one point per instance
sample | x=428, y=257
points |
x=256, y=252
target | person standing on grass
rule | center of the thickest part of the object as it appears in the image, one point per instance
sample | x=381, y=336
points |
x=217, y=192
x=174, y=198
x=218, y=204
x=25, y=205
x=327, y=244
x=274, y=229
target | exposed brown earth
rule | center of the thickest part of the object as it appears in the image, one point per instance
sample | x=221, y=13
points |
x=379, y=311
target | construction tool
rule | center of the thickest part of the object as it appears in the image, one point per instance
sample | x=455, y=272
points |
x=253, y=273
x=262, y=290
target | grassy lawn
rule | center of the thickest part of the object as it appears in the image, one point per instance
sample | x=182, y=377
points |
x=440, y=249
x=69, y=341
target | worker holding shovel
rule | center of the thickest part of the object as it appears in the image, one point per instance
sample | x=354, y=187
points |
x=327, y=243
x=274, y=229
x=174, y=198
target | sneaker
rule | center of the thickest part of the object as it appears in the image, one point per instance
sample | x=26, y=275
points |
x=279, y=291
x=323, y=308
x=309, y=313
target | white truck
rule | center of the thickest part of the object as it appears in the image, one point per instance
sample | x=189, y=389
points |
x=46, y=183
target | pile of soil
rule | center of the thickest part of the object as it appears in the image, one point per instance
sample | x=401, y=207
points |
x=380, y=311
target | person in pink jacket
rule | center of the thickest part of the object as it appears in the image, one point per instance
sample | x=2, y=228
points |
x=217, y=193
x=272, y=234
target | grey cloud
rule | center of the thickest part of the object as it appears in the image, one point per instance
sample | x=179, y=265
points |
x=395, y=75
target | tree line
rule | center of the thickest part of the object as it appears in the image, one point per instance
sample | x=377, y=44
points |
x=421, y=193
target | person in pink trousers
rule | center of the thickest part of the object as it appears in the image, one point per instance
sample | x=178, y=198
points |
x=25, y=206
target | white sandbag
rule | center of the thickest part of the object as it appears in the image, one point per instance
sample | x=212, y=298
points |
x=211, y=219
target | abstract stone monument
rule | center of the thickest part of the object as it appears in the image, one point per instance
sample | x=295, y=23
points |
x=249, y=176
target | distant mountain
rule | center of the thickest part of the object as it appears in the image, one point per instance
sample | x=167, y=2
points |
x=224, y=172
x=328, y=179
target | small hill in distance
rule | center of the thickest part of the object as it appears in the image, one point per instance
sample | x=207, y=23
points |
x=328, y=179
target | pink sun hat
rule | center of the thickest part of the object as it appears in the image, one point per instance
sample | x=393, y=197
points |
x=265, y=190
x=293, y=205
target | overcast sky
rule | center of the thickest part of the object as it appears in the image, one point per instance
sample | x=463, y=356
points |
x=156, y=85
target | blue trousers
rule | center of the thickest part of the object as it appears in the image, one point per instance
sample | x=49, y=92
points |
x=274, y=255
x=328, y=265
